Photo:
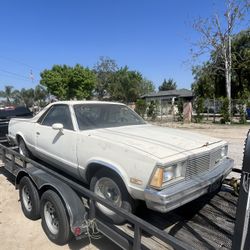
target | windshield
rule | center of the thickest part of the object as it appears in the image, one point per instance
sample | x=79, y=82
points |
x=91, y=116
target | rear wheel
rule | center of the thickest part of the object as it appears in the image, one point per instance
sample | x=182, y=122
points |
x=55, y=220
x=23, y=150
x=109, y=185
x=29, y=198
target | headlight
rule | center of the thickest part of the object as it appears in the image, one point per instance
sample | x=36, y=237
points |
x=224, y=151
x=163, y=175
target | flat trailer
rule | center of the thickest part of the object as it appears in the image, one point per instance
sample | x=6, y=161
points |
x=67, y=210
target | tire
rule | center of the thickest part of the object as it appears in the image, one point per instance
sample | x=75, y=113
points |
x=105, y=178
x=29, y=197
x=23, y=150
x=55, y=222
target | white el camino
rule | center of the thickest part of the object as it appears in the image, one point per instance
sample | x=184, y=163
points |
x=121, y=157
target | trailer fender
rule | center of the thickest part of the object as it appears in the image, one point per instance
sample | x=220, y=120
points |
x=74, y=205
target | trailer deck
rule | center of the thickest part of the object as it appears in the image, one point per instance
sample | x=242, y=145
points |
x=206, y=223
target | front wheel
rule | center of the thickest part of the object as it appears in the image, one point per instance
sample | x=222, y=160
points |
x=55, y=220
x=109, y=185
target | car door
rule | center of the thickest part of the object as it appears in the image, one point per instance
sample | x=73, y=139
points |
x=57, y=146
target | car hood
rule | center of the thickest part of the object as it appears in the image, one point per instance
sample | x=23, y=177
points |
x=161, y=142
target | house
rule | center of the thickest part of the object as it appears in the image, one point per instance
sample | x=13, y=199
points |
x=166, y=101
x=169, y=96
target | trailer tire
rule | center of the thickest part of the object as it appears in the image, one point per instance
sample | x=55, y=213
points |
x=29, y=197
x=55, y=222
x=118, y=188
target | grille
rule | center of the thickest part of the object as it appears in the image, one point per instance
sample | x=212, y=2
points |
x=215, y=157
x=201, y=163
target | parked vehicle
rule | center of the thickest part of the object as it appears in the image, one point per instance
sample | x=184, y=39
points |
x=121, y=157
x=7, y=113
x=248, y=113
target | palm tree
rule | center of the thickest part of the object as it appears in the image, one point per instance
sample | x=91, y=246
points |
x=40, y=95
x=7, y=93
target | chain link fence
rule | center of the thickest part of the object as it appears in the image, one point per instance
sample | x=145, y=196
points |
x=211, y=110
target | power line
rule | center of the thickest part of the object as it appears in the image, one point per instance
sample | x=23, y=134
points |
x=15, y=74
x=15, y=77
x=19, y=62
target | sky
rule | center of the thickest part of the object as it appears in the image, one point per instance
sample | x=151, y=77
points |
x=151, y=36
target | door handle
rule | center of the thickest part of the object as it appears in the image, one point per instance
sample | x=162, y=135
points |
x=38, y=133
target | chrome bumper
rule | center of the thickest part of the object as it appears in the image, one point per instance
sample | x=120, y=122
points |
x=183, y=192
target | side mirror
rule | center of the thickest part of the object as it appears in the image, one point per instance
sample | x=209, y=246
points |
x=57, y=126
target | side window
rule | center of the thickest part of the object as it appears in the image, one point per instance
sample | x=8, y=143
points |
x=58, y=114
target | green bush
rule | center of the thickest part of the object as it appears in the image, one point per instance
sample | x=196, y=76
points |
x=199, y=107
x=151, y=112
x=140, y=107
x=242, y=112
x=180, y=109
x=225, y=110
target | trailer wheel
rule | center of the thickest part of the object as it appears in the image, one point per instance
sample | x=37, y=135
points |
x=55, y=220
x=29, y=198
x=110, y=186
x=23, y=150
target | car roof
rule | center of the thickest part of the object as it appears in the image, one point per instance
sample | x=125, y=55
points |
x=86, y=102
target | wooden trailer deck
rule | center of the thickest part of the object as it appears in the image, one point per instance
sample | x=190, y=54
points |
x=206, y=223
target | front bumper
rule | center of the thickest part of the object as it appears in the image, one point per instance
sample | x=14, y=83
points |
x=183, y=192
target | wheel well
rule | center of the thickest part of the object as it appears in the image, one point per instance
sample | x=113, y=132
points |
x=20, y=176
x=48, y=187
x=92, y=169
x=18, y=137
x=41, y=190
x=95, y=167
x=23, y=174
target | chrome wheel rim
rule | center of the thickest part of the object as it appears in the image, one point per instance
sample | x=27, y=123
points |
x=51, y=217
x=108, y=189
x=26, y=198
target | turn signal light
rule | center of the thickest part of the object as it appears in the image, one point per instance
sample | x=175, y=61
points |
x=157, y=179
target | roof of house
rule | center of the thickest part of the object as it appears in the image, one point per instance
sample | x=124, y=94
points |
x=176, y=93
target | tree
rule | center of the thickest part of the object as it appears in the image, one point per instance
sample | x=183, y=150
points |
x=27, y=97
x=217, y=38
x=67, y=82
x=146, y=86
x=241, y=63
x=210, y=78
x=7, y=93
x=170, y=84
x=129, y=85
x=104, y=69
x=205, y=84
x=40, y=95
